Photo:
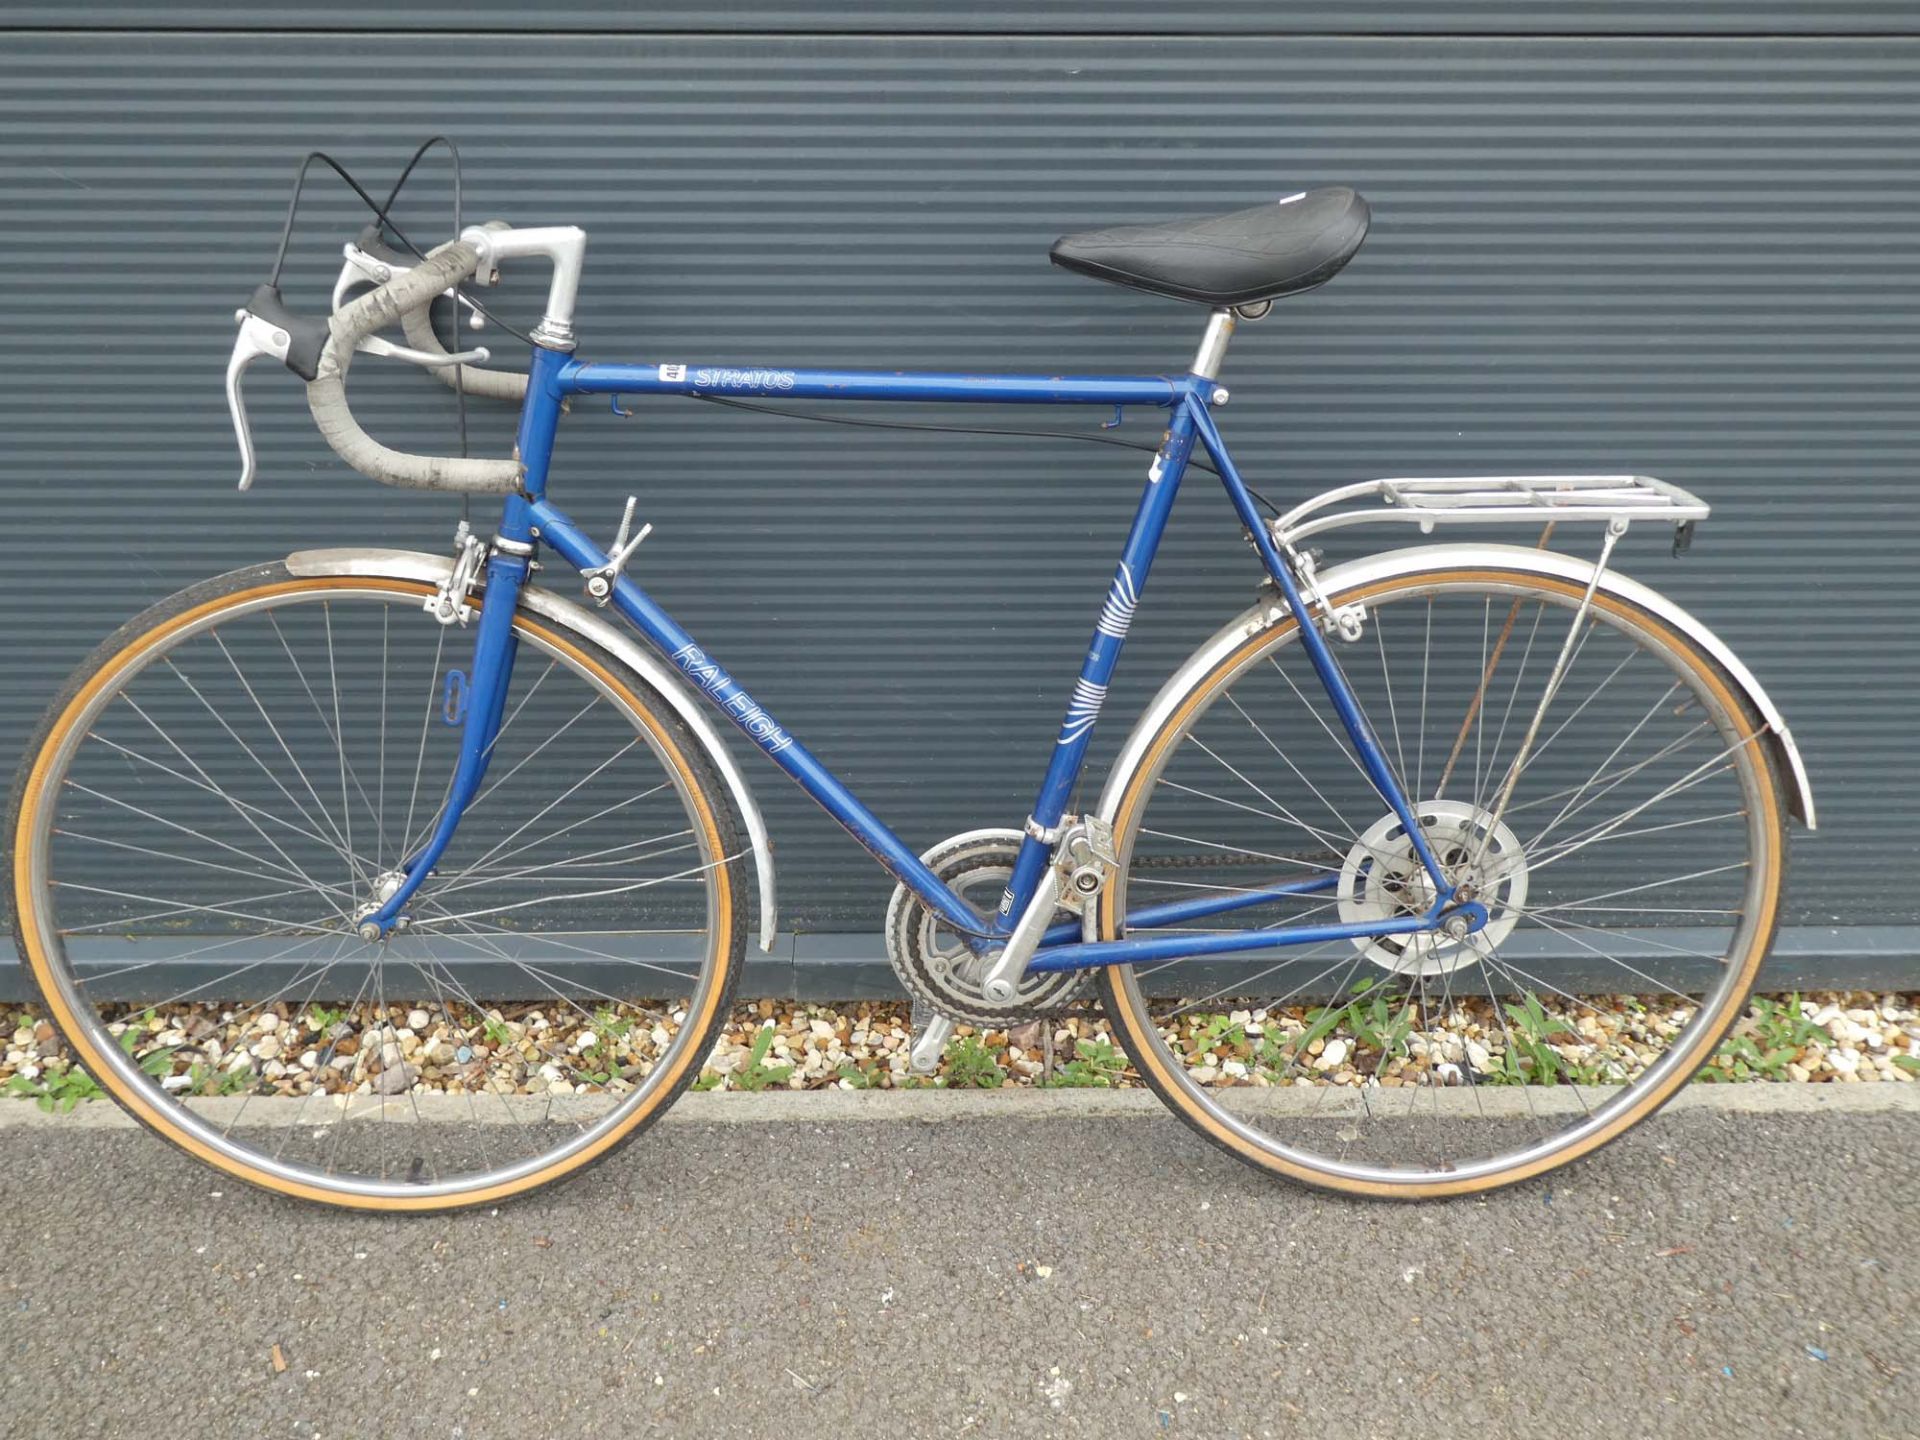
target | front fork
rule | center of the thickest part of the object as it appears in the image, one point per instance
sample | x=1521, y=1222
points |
x=494, y=646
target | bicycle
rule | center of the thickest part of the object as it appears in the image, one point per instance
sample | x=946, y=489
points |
x=1526, y=778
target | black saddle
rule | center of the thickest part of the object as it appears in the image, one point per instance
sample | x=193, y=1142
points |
x=1248, y=256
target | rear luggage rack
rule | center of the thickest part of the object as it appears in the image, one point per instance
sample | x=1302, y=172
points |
x=1496, y=499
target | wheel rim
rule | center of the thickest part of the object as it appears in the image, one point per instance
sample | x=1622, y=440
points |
x=518, y=936
x=1363, y=1133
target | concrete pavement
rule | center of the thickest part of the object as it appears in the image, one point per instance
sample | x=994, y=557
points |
x=1016, y=1264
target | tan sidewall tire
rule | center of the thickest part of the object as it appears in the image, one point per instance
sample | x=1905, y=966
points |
x=1136, y=1030
x=131, y=645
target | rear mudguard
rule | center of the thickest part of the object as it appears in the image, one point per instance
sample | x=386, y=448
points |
x=1394, y=563
x=596, y=630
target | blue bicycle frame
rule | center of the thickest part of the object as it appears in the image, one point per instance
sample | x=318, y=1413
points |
x=530, y=519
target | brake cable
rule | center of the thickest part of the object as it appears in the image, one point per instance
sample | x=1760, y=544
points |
x=387, y=224
x=866, y=423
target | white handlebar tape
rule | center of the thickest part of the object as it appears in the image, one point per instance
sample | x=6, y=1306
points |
x=483, y=384
x=327, y=392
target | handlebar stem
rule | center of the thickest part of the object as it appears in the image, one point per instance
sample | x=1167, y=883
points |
x=564, y=245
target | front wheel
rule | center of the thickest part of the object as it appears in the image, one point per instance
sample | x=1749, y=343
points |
x=234, y=779
x=1631, y=862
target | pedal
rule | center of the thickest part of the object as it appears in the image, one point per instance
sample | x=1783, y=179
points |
x=930, y=1044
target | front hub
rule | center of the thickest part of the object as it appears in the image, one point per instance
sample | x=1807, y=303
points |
x=385, y=887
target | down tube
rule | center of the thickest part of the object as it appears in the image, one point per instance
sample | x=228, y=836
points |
x=779, y=746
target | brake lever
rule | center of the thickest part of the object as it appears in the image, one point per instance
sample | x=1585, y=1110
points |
x=257, y=338
x=374, y=345
x=360, y=267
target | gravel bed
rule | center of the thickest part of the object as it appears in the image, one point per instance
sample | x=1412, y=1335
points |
x=1828, y=1037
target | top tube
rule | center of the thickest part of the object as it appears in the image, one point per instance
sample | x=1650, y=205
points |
x=759, y=383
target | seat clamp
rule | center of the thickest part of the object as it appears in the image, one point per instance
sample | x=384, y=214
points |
x=1042, y=833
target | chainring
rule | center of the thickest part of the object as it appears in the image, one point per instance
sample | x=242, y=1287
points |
x=934, y=963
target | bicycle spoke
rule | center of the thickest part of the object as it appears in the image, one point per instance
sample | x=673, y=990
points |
x=1697, y=776
x=331, y=730
x=1301, y=955
x=552, y=939
x=1611, y=833
x=179, y=859
x=260, y=708
x=1300, y=774
x=538, y=872
x=246, y=749
x=1242, y=850
x=560, y=799
x=206, y=871
x=1393, y=710
x=1341, y=743
x=1282, y=814
x=246, y=811
x=178, y=909
x=1638, y=787
x=693, y=870
x=1513, y=694
x=380, y=783
x=420, y=756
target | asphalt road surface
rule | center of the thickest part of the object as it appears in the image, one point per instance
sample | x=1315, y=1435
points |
x=1015, y=1270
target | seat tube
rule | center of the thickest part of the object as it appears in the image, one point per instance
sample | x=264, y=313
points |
x=1103, y=655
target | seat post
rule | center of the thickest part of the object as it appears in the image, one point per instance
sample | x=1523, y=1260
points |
x=1213, y=344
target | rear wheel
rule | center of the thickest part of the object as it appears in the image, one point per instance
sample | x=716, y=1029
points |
x=227, y=785
x=1632, y=870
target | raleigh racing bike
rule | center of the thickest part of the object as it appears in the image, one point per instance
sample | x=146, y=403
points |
x=405, y=882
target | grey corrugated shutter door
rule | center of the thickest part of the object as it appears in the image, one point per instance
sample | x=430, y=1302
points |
x=1677, y=239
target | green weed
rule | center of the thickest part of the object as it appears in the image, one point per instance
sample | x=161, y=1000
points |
x=1530, y=1058
x=1766, y=1042
x=1217, y=1033
x=971, y=1066
x=54, y=1088
x=860, y=1077
x=1096, y=1064
x=321, y=1020
x=497, y=1033
x=207, y=1080
x=758, y=1075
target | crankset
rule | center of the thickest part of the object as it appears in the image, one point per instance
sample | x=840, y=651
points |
x=934, y=961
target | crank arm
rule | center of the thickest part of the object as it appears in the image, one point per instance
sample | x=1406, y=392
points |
x=1002, y=980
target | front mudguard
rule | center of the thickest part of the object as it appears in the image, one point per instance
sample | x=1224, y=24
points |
x=596, y=630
